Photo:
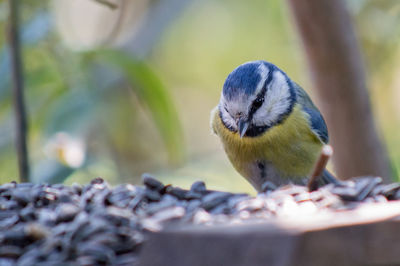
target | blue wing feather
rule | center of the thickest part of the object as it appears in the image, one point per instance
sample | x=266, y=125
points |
x=317, y=121
x=318, y=124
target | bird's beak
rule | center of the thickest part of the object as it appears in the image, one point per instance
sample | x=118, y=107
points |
x=243, y=125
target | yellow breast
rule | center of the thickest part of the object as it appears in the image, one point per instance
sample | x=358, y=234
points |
x=290, y=147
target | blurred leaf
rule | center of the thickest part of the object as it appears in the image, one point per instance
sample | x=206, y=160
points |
x=51, y=171
x=70, y=112
x=153, y=94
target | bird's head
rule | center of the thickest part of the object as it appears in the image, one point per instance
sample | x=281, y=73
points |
x=256, y=96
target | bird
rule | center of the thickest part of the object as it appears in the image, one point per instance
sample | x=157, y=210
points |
x=269, y=127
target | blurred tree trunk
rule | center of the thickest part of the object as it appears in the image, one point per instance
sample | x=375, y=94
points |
x=338, y=76
x=18, y=91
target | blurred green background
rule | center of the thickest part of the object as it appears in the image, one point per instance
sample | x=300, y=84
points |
x=115, y=90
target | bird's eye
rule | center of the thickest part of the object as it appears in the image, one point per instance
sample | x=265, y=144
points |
x=258, y=102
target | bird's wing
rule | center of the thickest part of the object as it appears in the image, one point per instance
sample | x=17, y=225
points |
x=317, y=121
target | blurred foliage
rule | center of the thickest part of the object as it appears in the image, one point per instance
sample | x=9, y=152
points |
x=137, y=116
x=152, y=92
x=92, y=95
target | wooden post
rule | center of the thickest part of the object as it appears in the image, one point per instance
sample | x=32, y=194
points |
x=319, y=167
x=338, y=76
x=18, y=91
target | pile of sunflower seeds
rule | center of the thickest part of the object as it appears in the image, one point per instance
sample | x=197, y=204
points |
x=95, y=224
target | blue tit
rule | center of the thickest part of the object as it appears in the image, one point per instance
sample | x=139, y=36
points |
x=268, y=125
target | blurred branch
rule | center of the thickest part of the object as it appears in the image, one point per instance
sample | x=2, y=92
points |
x=107, y=4
x=18, y=91
x=319, y=167
x=338, y=76
x=32, y=32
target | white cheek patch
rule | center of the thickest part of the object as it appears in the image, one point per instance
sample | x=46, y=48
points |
x=276, y=102
x=226, y=117
x=263, y=71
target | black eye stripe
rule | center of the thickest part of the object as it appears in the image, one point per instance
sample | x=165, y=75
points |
x=257, y=103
